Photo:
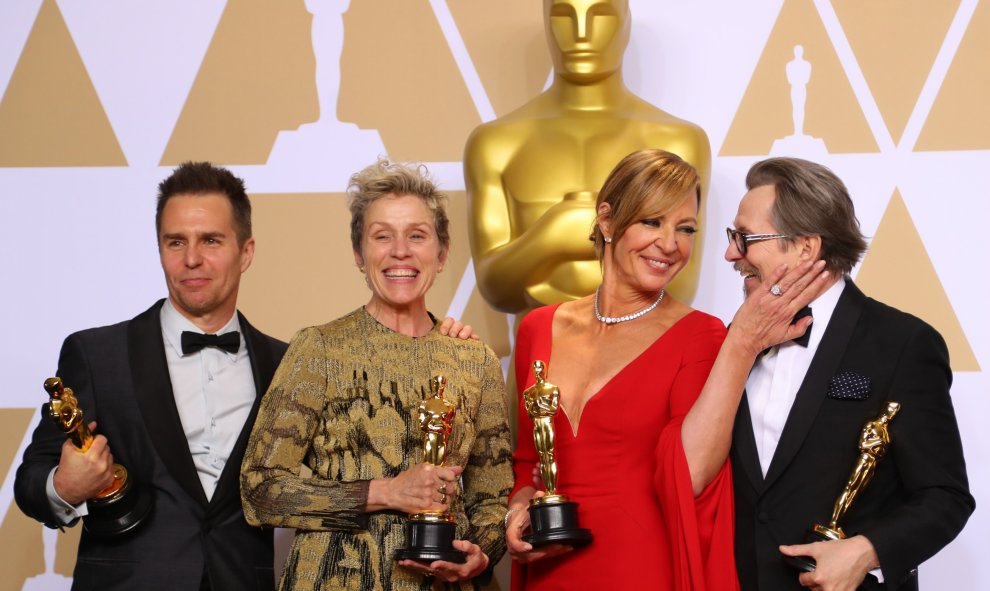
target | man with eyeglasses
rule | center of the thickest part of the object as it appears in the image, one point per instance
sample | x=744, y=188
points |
x=805, y=404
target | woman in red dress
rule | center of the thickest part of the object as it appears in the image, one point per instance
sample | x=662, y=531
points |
x=648, y=391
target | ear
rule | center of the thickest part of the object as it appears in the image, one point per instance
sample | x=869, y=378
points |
x=605, y=218
x=358, y=260
x=247, y=254
x=811, y=247
x=444, y=251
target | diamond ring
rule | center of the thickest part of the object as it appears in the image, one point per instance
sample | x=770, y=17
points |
x=776, y=290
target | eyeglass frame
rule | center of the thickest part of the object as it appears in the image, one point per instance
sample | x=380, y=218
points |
x=743, y=245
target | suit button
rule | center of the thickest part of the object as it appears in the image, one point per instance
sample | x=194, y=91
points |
x=763, y=517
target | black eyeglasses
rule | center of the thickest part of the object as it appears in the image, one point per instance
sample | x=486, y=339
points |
x=742, y=240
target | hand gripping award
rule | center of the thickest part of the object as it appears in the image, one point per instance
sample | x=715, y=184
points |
x=874, y=441
x=553, y=517
x=121, y=506
x=430, y=534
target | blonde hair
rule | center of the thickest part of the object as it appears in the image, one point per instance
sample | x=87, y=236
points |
x=647, y=183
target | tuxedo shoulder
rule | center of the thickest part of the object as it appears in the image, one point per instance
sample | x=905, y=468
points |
x=896, y=319
x=100, y=333
x=277, y=345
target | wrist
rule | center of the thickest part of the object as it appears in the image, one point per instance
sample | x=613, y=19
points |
x=376, y=500
x=737, y=339
x=868, y=552
x=508, y=514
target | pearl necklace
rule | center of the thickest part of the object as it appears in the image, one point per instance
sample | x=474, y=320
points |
x=633, y=316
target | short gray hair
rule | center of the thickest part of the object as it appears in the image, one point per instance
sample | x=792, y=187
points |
x=812, y=201
x=385, y=178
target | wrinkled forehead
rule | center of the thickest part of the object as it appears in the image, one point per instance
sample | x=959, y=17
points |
x=755, y=213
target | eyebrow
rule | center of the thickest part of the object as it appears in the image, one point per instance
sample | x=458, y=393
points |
x=185, y=235
x=414, y=225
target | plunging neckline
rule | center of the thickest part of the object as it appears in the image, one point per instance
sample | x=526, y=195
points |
x=574, y=427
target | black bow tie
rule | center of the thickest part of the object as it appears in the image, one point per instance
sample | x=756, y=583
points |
x=803, y=339
x=195, y=341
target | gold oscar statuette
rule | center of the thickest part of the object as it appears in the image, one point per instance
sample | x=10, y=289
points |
x=430, y=534
x=874, y=441
x=121, y=506
x=553, y=517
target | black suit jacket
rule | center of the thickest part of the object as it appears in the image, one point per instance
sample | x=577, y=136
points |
x=120, y=377
x=919, y=498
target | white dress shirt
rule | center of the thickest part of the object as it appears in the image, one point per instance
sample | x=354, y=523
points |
x=774, y=382
x=214, y=391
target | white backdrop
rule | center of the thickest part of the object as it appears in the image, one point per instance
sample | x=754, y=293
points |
x=79, y=246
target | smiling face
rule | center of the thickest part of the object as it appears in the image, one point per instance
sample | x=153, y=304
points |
x=652, y=250
x=203, y=262
x=587, y=37
x=755, y=216
x=400, y=252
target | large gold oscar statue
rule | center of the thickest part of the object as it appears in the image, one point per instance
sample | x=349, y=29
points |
x=532, y=176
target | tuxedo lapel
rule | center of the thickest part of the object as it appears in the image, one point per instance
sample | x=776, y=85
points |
x=263, y=368
x=153, y=391
x=811, y=394
x=744, y=442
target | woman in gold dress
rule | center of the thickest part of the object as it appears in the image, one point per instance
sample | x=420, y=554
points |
x=344, y=403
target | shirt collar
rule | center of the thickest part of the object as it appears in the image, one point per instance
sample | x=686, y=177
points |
x=174, y=324
x=822, y=308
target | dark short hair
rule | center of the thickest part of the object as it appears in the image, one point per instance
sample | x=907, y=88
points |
x=647, y=183
x=812, y=201
x=200, y=178
x=384, y=178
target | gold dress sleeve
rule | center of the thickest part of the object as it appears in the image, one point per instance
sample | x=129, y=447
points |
x=272, y=491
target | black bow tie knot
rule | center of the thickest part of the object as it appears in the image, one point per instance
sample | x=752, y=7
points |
x=803, y=339
x=195, y=341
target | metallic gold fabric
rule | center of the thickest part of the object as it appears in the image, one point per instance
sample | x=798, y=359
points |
x=343, y=402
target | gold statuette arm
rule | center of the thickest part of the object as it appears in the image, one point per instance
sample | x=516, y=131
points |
x=508, y=259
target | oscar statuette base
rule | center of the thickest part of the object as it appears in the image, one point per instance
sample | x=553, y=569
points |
x=818, y=533
x=554, y=520
x=119, y=508
x=430, y=538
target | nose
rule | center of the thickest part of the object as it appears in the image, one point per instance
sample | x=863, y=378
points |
x=193, y=258
x=666, y=239
x=732, y=253
x=582, y=24
x=400, y=248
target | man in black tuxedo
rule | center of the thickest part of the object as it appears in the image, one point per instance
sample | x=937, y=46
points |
x=178, y=417
x=797, y=431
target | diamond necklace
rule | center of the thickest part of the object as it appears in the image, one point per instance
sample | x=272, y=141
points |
x=633, y=316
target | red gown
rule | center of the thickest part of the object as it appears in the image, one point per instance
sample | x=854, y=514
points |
x=627, y=470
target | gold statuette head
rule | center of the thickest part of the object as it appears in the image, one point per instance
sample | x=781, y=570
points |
x=65, y=412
